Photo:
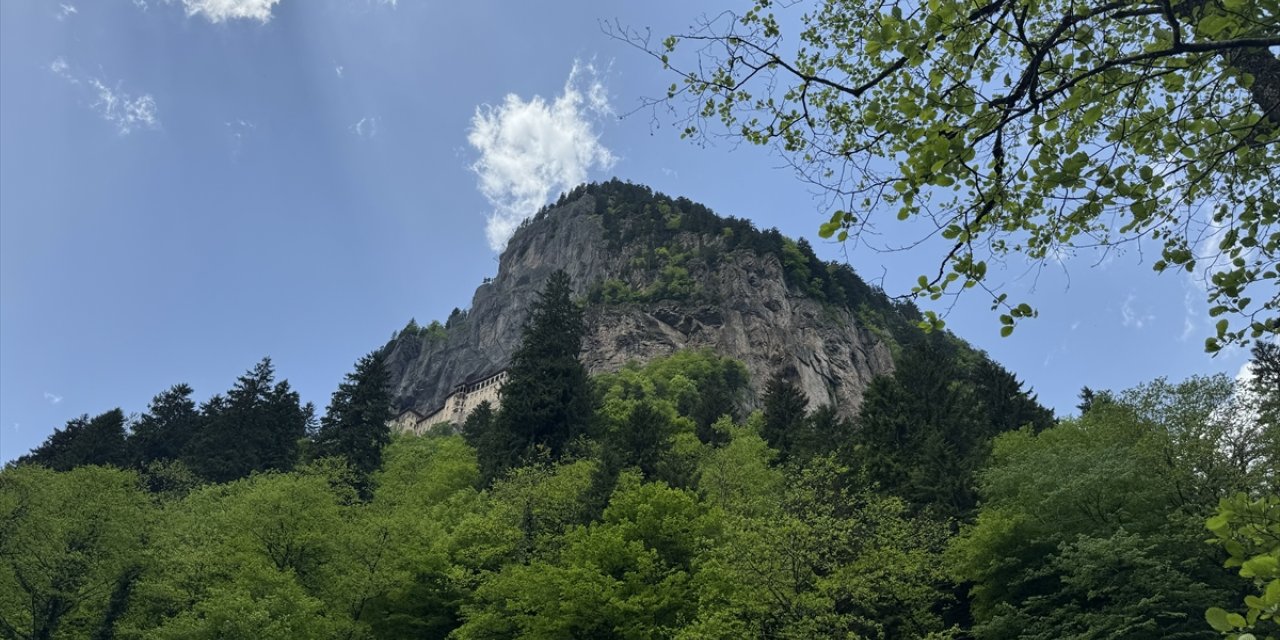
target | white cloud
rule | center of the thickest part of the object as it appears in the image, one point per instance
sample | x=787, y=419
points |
x=60, y=68
x=217, y=11
x=366, y=127
x=127, y=112
x=338, y=70
x=65, y=11
x=530, y=150
x=1130, y=317
x=53, y=398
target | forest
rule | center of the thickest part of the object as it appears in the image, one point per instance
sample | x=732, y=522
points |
x=647, y=503
x=182, y=177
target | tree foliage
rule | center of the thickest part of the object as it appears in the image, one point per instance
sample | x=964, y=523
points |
x=1010, y=128
x=162, y=433
x=256, y=426
x=355, y=426
x=1249, y=531
x=1093, y=528
x=71, y=550
x=84, y=441
x=547, y=396
x=777, y=524
x=924, y=432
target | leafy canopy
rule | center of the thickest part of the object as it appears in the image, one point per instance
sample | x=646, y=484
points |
x=1006, y=127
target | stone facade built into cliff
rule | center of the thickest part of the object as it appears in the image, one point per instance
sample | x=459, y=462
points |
x=457, y=406
x=406, y=422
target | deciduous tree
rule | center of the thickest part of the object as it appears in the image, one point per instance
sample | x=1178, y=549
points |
x=1016, y=129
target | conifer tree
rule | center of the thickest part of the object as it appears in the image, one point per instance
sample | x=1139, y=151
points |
x=547, y=397
x=84, y=441
x=355, y=426
x=920, y=434
x=164, y=430
x=256, y=426
x=785, y=406
x=478, y=422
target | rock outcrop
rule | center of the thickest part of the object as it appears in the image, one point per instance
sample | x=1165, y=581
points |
x=645, y=298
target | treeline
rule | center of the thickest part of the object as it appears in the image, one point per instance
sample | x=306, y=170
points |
x=646, y=504
x=259, y=425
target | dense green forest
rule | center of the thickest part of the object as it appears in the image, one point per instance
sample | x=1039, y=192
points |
x=647, y=503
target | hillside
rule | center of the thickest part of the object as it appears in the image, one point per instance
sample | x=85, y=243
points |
x=659, y=274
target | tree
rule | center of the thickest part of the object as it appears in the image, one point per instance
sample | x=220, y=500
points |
x=1265, y=384
x=256, y=426
x=921, y=433
x=84, y=441
x=1095, y=527
x=546, y=401
x=1249, y=531
x=355, y=426
x=164, y=430
x=1011, y=128
x=626, y=576
x=785, y=406
x=803, y=557
x=71, y=550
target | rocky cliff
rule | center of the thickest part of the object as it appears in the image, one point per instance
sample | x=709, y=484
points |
x=659, y=275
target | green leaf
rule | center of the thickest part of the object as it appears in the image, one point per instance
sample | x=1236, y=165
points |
x=1217, y=523
x=1217, y=618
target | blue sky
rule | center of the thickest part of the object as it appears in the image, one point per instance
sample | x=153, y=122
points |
x=189, y=185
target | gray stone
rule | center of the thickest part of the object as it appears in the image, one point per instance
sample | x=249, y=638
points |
x=757, y=320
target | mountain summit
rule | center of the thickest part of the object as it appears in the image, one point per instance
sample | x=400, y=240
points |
x=658, y=274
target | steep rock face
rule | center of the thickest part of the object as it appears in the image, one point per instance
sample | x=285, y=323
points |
x=743, y=308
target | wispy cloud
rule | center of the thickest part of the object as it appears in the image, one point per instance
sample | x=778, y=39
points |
x=219, y=11
x=60, y=68
x=66, y=11
x=127, y=112
x=237, y=130
x=338, y=70
x=1190, y=317
x=53, y=398
x=532, y=149
x=366, y=127
x=1131, y=317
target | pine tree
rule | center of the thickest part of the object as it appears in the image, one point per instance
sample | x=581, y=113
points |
x=478, y=423
x=924, y=432
x=83, y=441
x=164, y=430
x=547, y=397
x=785, y=406
x=918, y=427
x=256, y=426
x=641, y=440
x=355, y=424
